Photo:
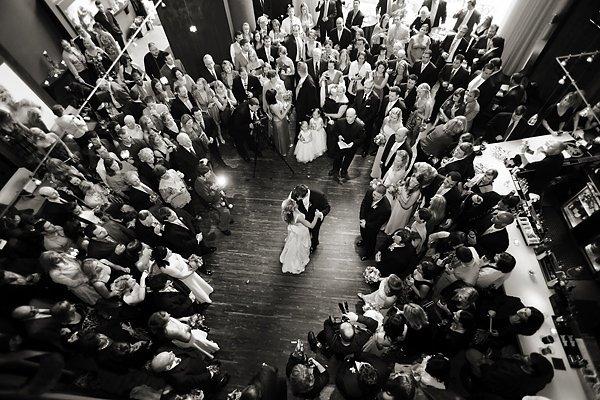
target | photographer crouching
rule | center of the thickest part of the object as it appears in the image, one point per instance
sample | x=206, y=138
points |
x=248, y=123
x=210, y=191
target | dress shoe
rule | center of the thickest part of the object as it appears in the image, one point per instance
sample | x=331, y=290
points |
x=360, y=243
x=345, y=176
x=364, y=153
x=337, y=179
x=330, y=173
x=342, y=179
x=312, y=249
x=206, y=271
x=226, y=232
x=210, y=250
x=365, y=258
x=223, y=381
x=313, y=342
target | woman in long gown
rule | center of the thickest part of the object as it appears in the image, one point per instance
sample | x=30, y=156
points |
x=181, y=334
x=397, y=171
x=418, y=44
x=421, y=113
x=176, y=266
x=384, y=296
x=406, y=200
x=391, y=124
x=280, y=125
x=296, y=251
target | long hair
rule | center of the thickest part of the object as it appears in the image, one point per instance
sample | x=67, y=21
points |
x=437, y=206
x=287, y=210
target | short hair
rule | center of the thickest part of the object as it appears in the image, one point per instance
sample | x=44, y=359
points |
x=498, y=41
x=413, y=77
x=89, y=230
x=438, y=366
x=301, y=379
x=395, y=89
x=429, y=52
x=237, y=33
x=299, y=191
x=521, y=110
x=367, y=376
x=57, y=109
x=505, y=262
x=455, y=176
x=253, y=101
x=428, y=30
x=381, y=189
x=244, y=41
x=361, y=53
x=459, y=57
x=401, y=387
x=533, y=323
x=489, y=66
x=464, y=254
x=476, y=92
x=424, y=214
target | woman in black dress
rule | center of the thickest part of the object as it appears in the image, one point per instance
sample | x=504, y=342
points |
x=557, y=115
x=334, y=106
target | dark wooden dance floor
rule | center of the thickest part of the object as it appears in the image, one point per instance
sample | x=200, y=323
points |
x=258, y=311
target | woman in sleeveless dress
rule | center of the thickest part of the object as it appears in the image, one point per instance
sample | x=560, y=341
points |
x=280, y=125
x=384, y=296
x=421, y=113
x=406, y=200
x=391, y=124
x=181, y=334
x=418, y=44
x=296, y=251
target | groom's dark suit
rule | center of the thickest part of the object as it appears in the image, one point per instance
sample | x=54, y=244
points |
x=316, y=201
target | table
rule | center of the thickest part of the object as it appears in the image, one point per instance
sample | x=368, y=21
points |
x=526, y=281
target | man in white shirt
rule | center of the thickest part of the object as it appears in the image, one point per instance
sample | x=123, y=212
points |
x=468, y=17
x=295, y=45
x=212, y=72
x=480, y=78
x=288, y=23
x=235, y=47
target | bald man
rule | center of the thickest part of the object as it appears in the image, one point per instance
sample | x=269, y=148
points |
x=349, y=133
x=492, y=237
x=340, y=35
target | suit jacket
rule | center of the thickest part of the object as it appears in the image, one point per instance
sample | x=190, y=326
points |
x=333, y=339
x=190, y=373
x=269, y=385
x=366, y=110
x=440, y=16
x=408, y=98
x=512, y=99
x=108, y=22
x=187, y=162
x=397, y=260
x=354, y=20
x=429, y=74
x=290, y=44
x=330, y=13
x=494, y=52
x=239, y=61
x=253, y=86
x=152, y=65
x=343, y=41
x=165, y=71
x=241, y=120
x=138, y=199
x=307, y=98
x=475, y=45
x=316, y=73
x=498, y=126
x=262, y=54
x=475, y=18
x=347, y=379
x=178, y=107
x=317, y=201
x=445, y=47
x=385, y=166
x=374, y=217
x=460, y=79
x=120, y=93
x=383, y=109
x=492, y=243
x=209, y=77
x=180, y=239
x=487, y=90
x=352, y=133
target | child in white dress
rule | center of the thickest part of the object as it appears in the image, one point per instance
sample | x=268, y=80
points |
x=305, y=149
x=319, y=135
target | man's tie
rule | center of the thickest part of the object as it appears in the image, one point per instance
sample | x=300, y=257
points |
x=453, y=72
x=510, y=128
x=214, y=74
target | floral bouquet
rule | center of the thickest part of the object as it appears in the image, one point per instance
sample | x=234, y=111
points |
x=375, y=182
x=372, y=275
x=393, y=190
x=195, y=262
x=196, y=321
x=379, y=139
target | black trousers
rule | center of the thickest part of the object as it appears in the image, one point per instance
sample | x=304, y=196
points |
x=314, y=233
x=342, y=160
x=369, y=238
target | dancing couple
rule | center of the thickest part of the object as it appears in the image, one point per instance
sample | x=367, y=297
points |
x=303, y=211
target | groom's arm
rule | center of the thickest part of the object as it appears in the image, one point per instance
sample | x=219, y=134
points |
x=321, y=202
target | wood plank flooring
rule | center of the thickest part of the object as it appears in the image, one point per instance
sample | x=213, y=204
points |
x=257, y=310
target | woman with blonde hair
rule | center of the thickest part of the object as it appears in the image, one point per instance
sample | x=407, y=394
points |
x=390, y=127
x=306, y=18
x=406, y=200
x=228, y=74
x=277, y=35
x=418, y=119
x=296, y=251
x=437, y=208
x=344, y=62
x=398, y=170
x=384, y=296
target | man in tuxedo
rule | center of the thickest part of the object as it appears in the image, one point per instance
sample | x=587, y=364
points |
x=244, y=121
x=182, y=104
x=366, y=104
x=397, y=255
x=487, y=86
x=186, y=157
x=448, y=188
x=211, y=72
x=307, y=94
x=170, y=63
x=387, y=103
x=142, y=87
x=493, y=52
x=453, y=45
x=350, y=132
x=140, y=196
x=182, y=235
x=452, y=76
x=362, y=376
x=492, y=237
x=262, y=7
x=294, y=44
x=469, y=17
x=375, y=210
x=265, y=385
x=392, y=145
x=154, y=60
x=109, y=22
x=506, y=126
x=315, y=65
x=355, y=17
x=340, y=35
x=515, y=95
x=246, y=86
x=268, y=53
x=184, y=371
x=425, y=71
x=480, y=45
x=308, y=202
x=437, y=11
x=241, y=58
x=408, y=95
x=327, y=15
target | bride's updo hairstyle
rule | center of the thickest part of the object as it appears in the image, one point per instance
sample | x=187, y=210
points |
x=287, y=210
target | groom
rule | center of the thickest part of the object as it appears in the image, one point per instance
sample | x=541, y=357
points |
x=308, y=202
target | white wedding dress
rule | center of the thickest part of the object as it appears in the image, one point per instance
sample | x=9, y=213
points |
x=296, y=251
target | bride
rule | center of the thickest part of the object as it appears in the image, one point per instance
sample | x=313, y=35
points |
x=296, y=251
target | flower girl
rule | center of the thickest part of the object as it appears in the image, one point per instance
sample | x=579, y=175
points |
x=305, y=148
x=317, y=126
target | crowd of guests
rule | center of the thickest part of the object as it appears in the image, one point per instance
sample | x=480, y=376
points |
x=106, y=277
